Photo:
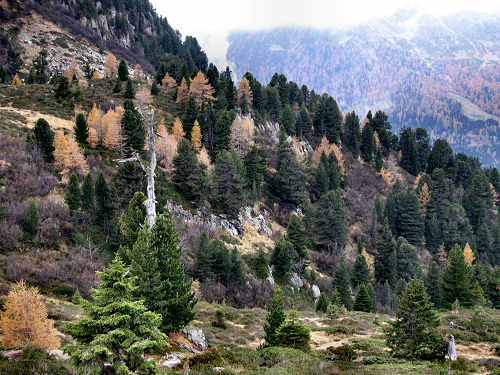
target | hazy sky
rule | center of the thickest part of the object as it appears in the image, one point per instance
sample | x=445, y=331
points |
x=210, y=20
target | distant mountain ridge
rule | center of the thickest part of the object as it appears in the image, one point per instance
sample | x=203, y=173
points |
x=440, y=73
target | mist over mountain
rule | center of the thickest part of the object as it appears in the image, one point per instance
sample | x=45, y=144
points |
x=440, y=73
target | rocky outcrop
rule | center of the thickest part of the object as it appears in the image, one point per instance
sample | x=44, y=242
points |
x=197, y=337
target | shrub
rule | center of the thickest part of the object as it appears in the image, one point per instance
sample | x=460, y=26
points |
x=292, y=334
x=33, y=360
x=63, y=290
x=219, y=320
x=463, y=364
x=210, y=358
x=344, y=353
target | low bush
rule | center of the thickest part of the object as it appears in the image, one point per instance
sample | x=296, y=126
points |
x=33, y=360
x=210, y=358
x=63, y=290
x=344, y=353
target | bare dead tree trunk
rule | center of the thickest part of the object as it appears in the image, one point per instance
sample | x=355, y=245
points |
x=151, y=198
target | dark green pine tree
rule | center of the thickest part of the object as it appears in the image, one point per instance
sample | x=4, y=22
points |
x=297, y=235
x=410, y=218
x=477, y=199
x=118, y=86
x=189, y=116
x=154, y=89
x=327, y=119
x=408, y=142
x=362, y=302
x=222, y=132
x=273, y=103
x=352, y=133
x=360, y=272
x=281, y=258
x=255, y=169
x=287, y=185
x=189, y=174
x=133, y=128
x=156, y=262
x=321, y=180
x=433, y=284
x=379, y=162
x=385, y=259
x=88, y=194
x=414, y=332
x=373, y=297
x=288, y=120
x=39, y=72
x=407, y=262
x=322, y=304
x=334, y=175
x=31, y=222
x=275, y=318
x=81, y=129
x=72, y=196
x=368, y=146
x=130, y=223
x=129, y=90
x=331, y=221
x=122, y=71
x=387, y=299
x=304, y=124
x=341, y=283
x=44, y=138
x=228, y=177
x=433, y=238
x=104, y=207
x=456, y=280
x=116, y=330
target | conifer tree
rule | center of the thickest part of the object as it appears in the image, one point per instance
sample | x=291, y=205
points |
x=118, y=86
x=129, y=90
x=331, y=221
x=81, y=129
x=72, y=196
x=131, y=222
x=189, y=173
x=123, y=71
x=322, y=181
x=334, y=173
x=200, y=89
x=373, y=298
x=104, y=208
x=379, y=162
x=360, y=272
x=410, y=221
x=362, y=302
x=133, y=128
x=322, y=304
x=190, y=115
x=352, y=134
x=368, y=146
x=245, y=96
x=156, y=262
x=413, y=334
x=407, y=262
x=297, y=235
x=385, y=259
x=196, y=137
x=154, y=89
x=288, y=120
x=228, y=183
x=304, y=124
x=88, y=193
x=456, y=280
x=387, y=296
x=255, y=169
x=292, y=334
x=341, y=283
x=31, y=221
x=182, y=92
x=44, y=138
x=281, y=258
x=478, y=297
x=433, y=284
x=275, y=318
x=222, y=132
x=117, y=330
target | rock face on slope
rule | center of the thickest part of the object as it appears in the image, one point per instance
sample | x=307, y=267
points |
x=438, y=73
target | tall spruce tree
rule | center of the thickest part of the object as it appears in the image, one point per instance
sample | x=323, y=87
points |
x=123, y=71
x=414, y=332
x=297, y=235
x=129, y=90
x=362, y=301
x=275, y=318
x=117, y=330
x=385, y=259
x=407, y=262
x=72, y=196
x=322, y=304
x=456, y=280
x=255, y=169
x=281, y=259
x=288, y=120
x=334, y=174
x=133, y=128
x=156, y=262
x=360, y=272
x=104, y=207
x=88, y=193
x=81, y=129
x=331, y=221
x=352, y=133
x=228, y=178
x=130, y=223
x=31, y=222
x=368, y=146
x=189, y=174
x=304, y=124
x=341, y=283
x=44, y=138
x=410, y=218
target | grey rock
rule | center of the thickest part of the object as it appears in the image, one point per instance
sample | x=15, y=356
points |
x=58, y=354
x=170, y=360
x=196, y=337
x=296, y=281
x=316, y=292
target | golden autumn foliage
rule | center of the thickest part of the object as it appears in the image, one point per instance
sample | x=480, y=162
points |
x=204, y=158
x=244, y=92
x=110, y=66
x=168, y=81
x=369, y=259
x=95, y=76
x=386, y=175
x=425, y=195
x=24, y=320
x=72, y=70
x=182, y=92
x=16, y=81
x=177, y=129
x=166, y=146
x=328, y=148
x=112, y=129
x=468, y=254
x=67, y=155
x=339, y=156
x=242, y=136
x=94, y=120
x=138, y=73
x=201, y=89
x=417, y=181
x=196, y=137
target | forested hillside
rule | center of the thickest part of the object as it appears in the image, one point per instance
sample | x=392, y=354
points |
x=150, y=209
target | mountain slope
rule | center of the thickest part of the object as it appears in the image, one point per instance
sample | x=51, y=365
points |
x=438, y=73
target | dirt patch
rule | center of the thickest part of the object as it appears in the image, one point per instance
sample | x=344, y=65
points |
x=31, y=117
x=251, y=239
x=475, y=351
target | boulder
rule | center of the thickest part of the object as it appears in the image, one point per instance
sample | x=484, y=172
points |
x=196, y=337
x=170, y=360
x=296, y=281
x=58, y=354
x=315, y=291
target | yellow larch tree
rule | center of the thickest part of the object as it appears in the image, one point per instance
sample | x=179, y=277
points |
x=138, y=73
x=417, y=180
x=16, y=81
x=369, y=258
x=328, y=148
x=110, y=66
x=177, y=129
x=201, y=89
x=94, y=122
x=340, y=158
x=168, y=81
x=424, y=196
x=204, y=158
x=166, y=146
x=468, y=254
x=182, y=92
x=24, y=320
x=242, y=136
x=72, y=70
x=111, y=122
x=386, y=175
x=244, y=94
x=196, y=137
x=67, y=155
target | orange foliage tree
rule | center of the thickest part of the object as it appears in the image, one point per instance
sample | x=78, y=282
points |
x=67, y=155
x=16, y=81
x=110, y=66
x=111, y=122
x=177, y=129
x=168, y=81
x=24, y=320
x=166, y=146
x=201, y=89
x=72, y=70
x=468, y=254
x=327, y=148
x=424, y=196
x=245, y=95
x=94, y=122
x=196, y=137
x=242, y=136
x=182, y=92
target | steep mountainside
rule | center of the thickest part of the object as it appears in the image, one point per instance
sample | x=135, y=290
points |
x=442, y=74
